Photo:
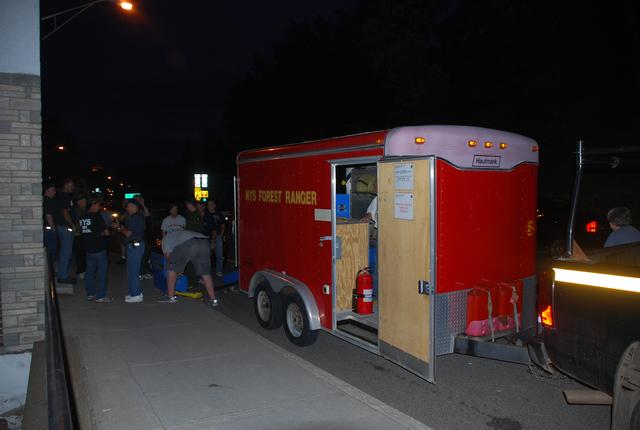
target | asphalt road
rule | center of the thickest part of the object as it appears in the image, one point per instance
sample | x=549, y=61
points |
x=470, y=393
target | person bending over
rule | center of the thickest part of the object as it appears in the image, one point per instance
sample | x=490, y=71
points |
x=185, y=246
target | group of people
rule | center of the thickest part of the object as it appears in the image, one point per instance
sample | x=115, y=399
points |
x=78, y=226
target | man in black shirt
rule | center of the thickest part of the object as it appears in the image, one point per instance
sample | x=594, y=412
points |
x=65, y=228
x=49, y=208
x=214, y=228
x=92, y=231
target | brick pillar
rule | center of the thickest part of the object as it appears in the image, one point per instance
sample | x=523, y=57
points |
x=22, y=262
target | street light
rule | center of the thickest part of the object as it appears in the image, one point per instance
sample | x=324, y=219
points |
x=125, y=5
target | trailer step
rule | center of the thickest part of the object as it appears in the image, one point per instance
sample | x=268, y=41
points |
x=359, y=330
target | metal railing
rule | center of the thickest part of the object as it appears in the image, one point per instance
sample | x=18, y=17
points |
x=60, y=402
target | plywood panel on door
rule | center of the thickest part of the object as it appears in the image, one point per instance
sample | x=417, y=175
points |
x=404, y=248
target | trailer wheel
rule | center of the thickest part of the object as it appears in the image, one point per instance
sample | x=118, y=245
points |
x=267, y=306
x=296, y=322
x=626, y=391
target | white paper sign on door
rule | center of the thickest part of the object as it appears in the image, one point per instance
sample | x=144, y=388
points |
x=403, y=175
x=403, y=206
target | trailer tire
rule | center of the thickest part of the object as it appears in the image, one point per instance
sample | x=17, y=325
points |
x=267, y=306
x=296, y=322
x=635, y=417
x=626, y=391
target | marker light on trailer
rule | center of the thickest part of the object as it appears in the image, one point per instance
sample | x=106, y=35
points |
x=420, y=140
x=503, y=145
x=535, y=148
x=488, y=145
x=472, y=144
x=600, y=280
x=592, y=226
x=546, y=317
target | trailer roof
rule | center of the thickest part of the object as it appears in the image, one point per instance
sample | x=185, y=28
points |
x=374, y=139
x=463, y=146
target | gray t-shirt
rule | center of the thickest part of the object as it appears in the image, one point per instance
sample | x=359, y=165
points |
x=624, y=235
x=175, y=238
x=170, y=223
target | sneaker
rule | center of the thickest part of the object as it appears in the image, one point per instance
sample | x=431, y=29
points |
x=89, y=298
x=104, y=300
x=167, y=299
x=212, y=302
x=80, y=275
x=128, y=296
x=67, y=281
x=134, y=299
x=147, y=276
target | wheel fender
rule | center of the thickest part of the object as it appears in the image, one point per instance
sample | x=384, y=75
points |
x=286, y=284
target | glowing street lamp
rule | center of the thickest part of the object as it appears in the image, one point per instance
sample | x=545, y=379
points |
x=124, y=5
x=60, y=148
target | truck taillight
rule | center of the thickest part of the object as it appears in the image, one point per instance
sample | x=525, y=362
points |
x=592, y=227
x=546, y=316
x=545, y=299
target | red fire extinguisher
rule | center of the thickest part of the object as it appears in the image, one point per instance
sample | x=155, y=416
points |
x=363, y=294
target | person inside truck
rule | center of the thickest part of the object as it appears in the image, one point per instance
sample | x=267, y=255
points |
x=622, y=232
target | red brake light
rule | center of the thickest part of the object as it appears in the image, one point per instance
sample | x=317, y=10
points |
x=546, y=316
x=592, y=226
x=545, y=298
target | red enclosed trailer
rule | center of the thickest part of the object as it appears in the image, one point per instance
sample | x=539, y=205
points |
x=456, y=217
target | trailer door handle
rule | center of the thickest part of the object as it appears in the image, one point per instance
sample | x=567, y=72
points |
x=323, y=239
x=424, y=287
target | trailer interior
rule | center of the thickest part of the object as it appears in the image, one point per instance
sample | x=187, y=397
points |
x=355, y=187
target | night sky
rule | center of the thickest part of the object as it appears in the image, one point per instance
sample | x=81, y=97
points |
x=187, y=84
x=156, y=77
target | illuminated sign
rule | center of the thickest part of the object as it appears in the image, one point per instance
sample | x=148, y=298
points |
x=201, y=180
x=130, y=195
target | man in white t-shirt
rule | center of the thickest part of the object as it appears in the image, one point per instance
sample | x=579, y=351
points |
x=173, y=222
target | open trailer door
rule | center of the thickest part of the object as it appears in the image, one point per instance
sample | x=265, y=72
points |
x=405, y=252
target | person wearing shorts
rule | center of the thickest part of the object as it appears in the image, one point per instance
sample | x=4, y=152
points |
x=181, y=247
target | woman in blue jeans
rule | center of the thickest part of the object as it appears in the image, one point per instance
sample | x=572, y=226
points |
x=133, y=232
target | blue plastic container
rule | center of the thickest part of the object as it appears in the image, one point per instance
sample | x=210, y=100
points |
x=159, y=270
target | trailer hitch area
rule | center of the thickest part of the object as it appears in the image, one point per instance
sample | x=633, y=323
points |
x=538, y=354
x=479, y=347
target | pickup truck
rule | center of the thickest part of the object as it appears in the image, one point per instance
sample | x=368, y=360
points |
x=589, y=307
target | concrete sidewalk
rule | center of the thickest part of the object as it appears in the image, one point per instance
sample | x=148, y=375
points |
x=187, y=366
